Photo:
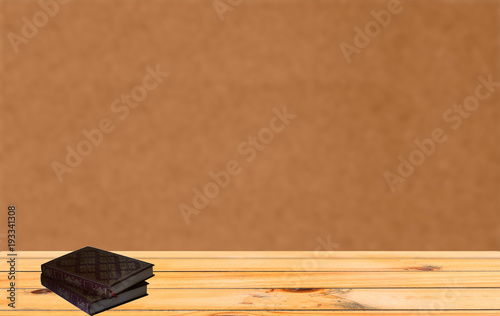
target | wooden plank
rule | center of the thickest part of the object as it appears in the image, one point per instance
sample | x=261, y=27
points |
x=310, y=265
x=308, y=283
x=286, y=299
x=279, y=254
x=31, y=280
x=119, y=311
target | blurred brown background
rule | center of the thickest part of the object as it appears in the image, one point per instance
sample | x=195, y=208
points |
x=322, y=176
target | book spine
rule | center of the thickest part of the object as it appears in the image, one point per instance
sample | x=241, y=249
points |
x=66, y=293
x=77, y=281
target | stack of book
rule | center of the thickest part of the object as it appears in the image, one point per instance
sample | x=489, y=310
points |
x=95, y=280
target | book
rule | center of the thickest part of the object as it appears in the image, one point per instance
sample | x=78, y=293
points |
x=98, y=271
x=92, y=303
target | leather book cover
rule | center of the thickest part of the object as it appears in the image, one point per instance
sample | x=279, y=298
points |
x=94, y=270
x=81, y=299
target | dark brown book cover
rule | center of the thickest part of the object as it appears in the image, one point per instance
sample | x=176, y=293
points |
x=88, y=302
x=96, y=271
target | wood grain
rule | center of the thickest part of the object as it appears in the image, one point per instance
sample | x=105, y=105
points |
x=288, y=283
x=254, y=313
x=269, y=280
x=290, y=299
x=282, y=254
x=301, y=264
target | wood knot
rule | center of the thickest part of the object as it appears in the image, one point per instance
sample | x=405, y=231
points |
x=300, y=290
x=41, y=291
x=424, y=268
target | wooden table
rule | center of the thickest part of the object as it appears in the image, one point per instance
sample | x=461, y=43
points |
x=286, y=283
